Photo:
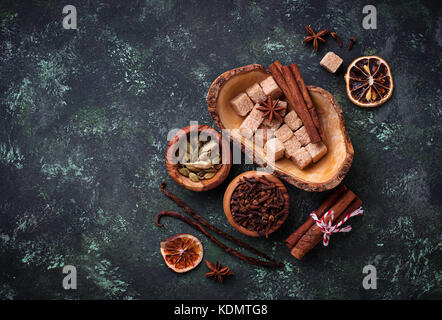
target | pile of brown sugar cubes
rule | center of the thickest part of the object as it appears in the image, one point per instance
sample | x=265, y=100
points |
x=281, y=138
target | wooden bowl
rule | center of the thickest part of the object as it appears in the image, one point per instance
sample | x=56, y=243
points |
x=321, y=176
x=202, y=185
x=231, y=188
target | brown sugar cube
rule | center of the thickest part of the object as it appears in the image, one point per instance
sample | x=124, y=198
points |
x=292, y=120
x=291, y=146
x=274, y=149
x=275, y=124
x=331, y=62
x=284, y=133
x=301, y=158
x=246, y=132
x=270, y=87
x=316, y=150
x=252, y=122
x=302, y=136
x=242, y=104
x=262, y=135
x=248, y=127
x=257, y=114
x=256, y=94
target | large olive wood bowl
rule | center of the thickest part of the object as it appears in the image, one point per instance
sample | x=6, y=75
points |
x=321, y=176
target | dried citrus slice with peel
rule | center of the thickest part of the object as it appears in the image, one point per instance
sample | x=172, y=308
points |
x=182, y=252
x=369, y=82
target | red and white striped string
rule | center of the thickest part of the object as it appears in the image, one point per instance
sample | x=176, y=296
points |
x=328, y=228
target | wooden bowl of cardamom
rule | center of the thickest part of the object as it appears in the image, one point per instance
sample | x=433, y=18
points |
x=198, y=158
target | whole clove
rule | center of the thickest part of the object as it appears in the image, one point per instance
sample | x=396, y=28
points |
x=335, y=36
x=352, y=41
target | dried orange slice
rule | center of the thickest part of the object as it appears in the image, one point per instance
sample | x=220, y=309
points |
x=369, y=81
x=182, y=252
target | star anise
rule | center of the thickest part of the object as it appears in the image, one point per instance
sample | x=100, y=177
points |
x=315, y=37
x=217, y=271
x=270, y=109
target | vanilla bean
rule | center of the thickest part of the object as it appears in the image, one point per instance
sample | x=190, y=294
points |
x=205, y=223
x=200, y=228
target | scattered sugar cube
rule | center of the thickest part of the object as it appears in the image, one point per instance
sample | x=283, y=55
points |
x=301, y=158
x=284, y=133
x=274, y=149
x=262, y=135
x=252, y=122
x=331, y=62
x=302, y=136
x=242, y=104
x=292, y=120
x=256, y=94
x=316, y=150
x=270, y=87
x=291, y=146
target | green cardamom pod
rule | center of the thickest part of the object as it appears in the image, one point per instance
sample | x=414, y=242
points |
x=194, y=177
x=184, y=171
x=209, y=175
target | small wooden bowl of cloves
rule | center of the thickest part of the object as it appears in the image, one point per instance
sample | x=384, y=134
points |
x=198, y=158
x=256, y=203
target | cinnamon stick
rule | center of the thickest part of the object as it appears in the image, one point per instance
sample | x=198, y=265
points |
x=314, y=235
x=293, y=239
x=278, y=64
x=308, y=101
x=276, y=71
x=299, y=104
x=355, y=204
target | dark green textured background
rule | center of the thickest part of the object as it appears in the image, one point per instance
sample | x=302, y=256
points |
x=84, y=119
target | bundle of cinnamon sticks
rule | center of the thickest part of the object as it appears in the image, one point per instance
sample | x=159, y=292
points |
x=342, y=202
x=290, y=80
